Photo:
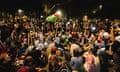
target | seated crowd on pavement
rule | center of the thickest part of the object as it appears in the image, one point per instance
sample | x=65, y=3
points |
x=73, y=45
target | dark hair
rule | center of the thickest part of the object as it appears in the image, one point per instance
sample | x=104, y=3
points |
x=28, y=61
x=76, y=52
x=93, y=50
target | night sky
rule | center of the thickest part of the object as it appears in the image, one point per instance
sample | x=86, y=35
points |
x=111, y=8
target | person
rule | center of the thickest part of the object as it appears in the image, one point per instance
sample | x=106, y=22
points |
x=27, y=65
x=116, y=53
x=52, y=63
x=76, y=61
x=90, y=62
x=6, y=63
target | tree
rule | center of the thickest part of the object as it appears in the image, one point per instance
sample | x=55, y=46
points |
x=49, y=5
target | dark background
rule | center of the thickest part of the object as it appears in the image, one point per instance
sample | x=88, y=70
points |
x=73, y=8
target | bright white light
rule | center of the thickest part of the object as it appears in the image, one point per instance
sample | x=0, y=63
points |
x=68, y=22
x=100, y=6
x=59, y=12
x=20, y=10
x=41, y=16
x=93, y=28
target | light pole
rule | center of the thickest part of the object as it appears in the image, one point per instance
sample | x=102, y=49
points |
x=100, y=10
x=20, y=12
x=100, y=6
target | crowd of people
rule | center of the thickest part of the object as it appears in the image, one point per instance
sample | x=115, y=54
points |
x=73, y=45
